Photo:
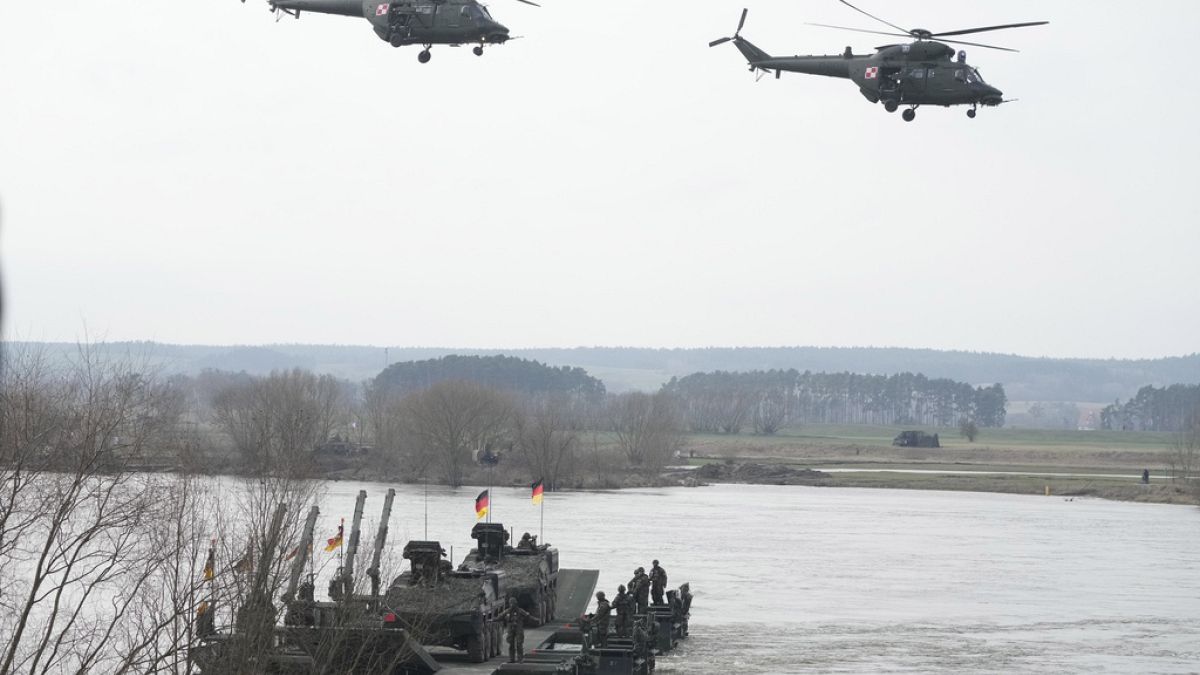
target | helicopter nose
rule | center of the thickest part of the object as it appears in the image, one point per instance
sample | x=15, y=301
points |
x=496, y=32
x=990, y=95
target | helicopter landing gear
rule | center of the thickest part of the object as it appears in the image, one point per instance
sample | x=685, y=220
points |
x=891, y=106
x=478, y=50
x=424, y=56
x=971, y=113
x=909, y=114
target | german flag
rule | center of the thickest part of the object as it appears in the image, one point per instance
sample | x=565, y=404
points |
x=210, y=565
x=335, y=541
x=536, y=495
x=481, y=505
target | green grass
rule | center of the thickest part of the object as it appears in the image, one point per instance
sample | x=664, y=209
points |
x=1003, y=449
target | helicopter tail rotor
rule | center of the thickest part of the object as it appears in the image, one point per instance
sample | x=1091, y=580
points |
x=741, y=22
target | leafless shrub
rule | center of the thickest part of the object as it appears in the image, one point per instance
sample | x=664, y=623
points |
x=450, y=421
x=647, y=427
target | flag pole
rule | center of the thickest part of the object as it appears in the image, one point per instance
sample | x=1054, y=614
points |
x=542, y=517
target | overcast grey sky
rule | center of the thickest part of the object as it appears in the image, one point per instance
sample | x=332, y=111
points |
x=195, y=172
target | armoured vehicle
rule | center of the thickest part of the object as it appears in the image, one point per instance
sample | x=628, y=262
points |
x=442, y=606
x=916, y=439
x=530, y=569
x=350, y=634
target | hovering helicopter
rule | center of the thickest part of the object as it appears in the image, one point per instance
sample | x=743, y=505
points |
x=413, y=22
x=924, y=72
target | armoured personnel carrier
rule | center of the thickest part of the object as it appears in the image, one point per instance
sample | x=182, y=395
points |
x=916, y=439
x=438, y=605
x=530, y=569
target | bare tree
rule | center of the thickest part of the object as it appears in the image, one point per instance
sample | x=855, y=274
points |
x=546, y=439
x=1184, y=458
x=647, y=427
x=85, y=543
x=276, y=421
x=451, y=420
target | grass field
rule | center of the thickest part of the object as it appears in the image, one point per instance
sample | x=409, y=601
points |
x=1000, y=460
x=834, y=444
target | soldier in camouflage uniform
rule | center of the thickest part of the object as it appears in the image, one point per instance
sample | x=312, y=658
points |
x=639, y=586
x=600, y=616
x=623, y=604
x=658, y=582
x=514, y=625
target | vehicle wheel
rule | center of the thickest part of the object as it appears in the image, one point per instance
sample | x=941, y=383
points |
x=909, y=115
x=971, y=113
x=397, y=40
x=890, y=106
x=475, y=648
x=424, y=56
x=478, y=50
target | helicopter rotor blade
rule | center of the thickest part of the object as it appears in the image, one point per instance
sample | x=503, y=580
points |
x=888, y=23
x=977, y=44
x=742, y=21
x=859, y=30
x=720, y=41
x=967, y=31
x=529, y=2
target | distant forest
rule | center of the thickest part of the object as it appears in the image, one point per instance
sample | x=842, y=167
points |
x=767, y=401
x=1171, y=408
x=624, y=369
x=505, y=373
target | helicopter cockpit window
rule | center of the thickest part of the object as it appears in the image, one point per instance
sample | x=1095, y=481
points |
x=917, y=73
x=960, y=76
x=978, y=77
x=475, y=12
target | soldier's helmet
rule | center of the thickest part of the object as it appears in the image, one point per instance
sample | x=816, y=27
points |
x=511, y=602
x=640, y=570
x=621, y=588
x=599, y=595
x=654, y=562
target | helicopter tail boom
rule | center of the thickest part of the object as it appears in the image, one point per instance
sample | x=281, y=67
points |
x=753, y=54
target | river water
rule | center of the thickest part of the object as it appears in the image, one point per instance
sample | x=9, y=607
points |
x=796, y=579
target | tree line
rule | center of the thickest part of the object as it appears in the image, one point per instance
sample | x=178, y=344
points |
x=1173, y=408
x=767, y=401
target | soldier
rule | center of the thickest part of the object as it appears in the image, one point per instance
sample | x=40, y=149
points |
x=685, y=596
x=527, y=542
x=603, y=611
x=514, y=624
x=623, y=603
x=640, y=587
x=658, y=582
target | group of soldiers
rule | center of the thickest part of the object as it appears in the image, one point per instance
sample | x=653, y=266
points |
x=633, y=600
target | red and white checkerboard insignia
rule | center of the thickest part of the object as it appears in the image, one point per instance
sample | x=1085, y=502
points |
x=380, y=10
x=871, y=73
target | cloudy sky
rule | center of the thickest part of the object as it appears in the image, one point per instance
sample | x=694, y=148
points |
x=196, y=172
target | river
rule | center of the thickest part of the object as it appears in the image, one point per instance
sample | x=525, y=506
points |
x=797, y=579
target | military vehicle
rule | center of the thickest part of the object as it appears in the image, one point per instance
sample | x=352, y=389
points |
x=413, y=22
x=916, y=439
x=530, y=569
x=442, y=606
x=347, y=635
x=924, y=72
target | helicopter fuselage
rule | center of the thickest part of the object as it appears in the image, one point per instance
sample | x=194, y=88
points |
x=920, y=73
x=413, y=22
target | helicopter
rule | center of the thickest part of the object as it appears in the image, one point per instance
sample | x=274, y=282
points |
x=923, y=72
x=413, y=22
